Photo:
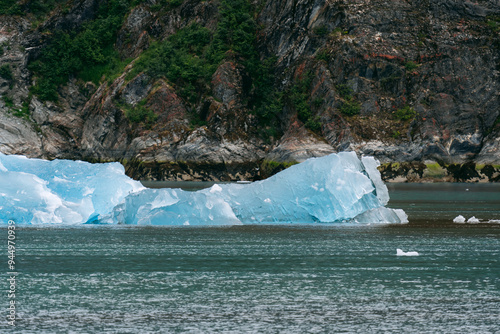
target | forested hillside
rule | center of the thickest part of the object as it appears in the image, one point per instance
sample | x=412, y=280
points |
x=237, y=89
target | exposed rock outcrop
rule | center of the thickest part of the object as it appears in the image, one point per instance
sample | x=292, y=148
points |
x=406, y=82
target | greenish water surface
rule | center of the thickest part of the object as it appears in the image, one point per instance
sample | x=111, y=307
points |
x=267, y=279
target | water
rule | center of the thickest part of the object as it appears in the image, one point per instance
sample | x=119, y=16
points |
x=280, y=279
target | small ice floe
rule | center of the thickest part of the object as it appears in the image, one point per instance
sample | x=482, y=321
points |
x=399, y=252
x=473, y=220
x=459, y=219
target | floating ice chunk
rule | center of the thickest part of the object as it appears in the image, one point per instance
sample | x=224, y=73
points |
x=459, y=219
x=35, y=191
x=473, y=220
x=400, y=252
x=176, y=208
x=74, y=192
x=287, y=197
x=382, y=215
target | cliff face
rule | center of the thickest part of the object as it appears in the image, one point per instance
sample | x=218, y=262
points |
x=409, y=82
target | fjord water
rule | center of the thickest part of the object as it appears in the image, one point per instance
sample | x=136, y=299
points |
x=263, y=279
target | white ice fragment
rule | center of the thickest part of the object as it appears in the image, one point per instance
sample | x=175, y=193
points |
x=473, y=220
x=215, y=189
x=459, y=219
x=87, y=191
x=58, y=179
x=267, y=200
x=400, y=252
x=371, y=165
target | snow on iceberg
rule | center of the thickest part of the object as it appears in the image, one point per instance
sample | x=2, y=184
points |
x=332, y=189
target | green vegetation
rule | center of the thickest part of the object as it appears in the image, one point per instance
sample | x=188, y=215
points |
x=24, y=112
x=271, y=167
x=186, y=59
x=140, y=114
x=406, y=113
x=396, y=134
x=344, y=91
x=236, y=31
x=350, y=108
x=10, y=7
x=421, y=38
x=9, y=102
x=338, y=31
x=6, y=72
x=323, y=55
x=87, y=54
x=434, y=170
x=166, y=5
x=494, y=23
x=321, y=30
x=181, y=59
x=388, y=83
x=411, y=66
x=39, y=8
x=189, y=58
x=298, y=97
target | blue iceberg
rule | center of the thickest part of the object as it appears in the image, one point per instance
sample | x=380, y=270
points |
x=338, y=188
x=35, y=191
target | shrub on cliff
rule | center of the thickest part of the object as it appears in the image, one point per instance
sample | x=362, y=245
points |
x=406, y=113
x=350, y=108
x=88, y=53
x=181, y=59
x=6, y=72
x=140, y=114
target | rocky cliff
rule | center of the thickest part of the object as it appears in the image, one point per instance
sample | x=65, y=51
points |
x=231, y=90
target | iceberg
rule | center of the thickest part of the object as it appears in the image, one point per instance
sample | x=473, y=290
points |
x=35, y=191
x=338, y=188
x=400, y=252
x=459, y=219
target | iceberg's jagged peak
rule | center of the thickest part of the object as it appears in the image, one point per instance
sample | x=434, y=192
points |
x=334, y=188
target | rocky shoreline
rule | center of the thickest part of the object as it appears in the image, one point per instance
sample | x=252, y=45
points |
x=413, y=172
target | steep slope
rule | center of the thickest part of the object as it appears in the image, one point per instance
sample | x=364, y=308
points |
x=227, y=90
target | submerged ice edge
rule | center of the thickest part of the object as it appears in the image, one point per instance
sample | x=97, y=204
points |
x=337, y=188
